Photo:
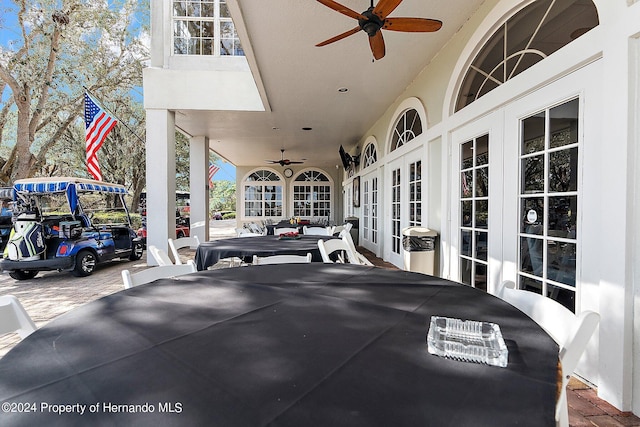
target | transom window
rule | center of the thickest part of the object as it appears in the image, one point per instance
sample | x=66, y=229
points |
x=370, y=155
x=549, y=203
x=407, y=128
x=263, y=194
x=312, y=195
x=204, y=27
x=532, y=34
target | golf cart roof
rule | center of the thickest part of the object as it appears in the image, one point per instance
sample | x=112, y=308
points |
x=45, y=185
x=6, y=193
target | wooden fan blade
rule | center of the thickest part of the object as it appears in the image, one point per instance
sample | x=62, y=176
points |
x=385, y=7
x=377, y=45
x=339, y=37
x=342, y=9
x=412, y=25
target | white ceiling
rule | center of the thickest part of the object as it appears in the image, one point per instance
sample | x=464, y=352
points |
x=301, y=81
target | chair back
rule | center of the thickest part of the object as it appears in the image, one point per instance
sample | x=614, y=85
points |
x=340, y=228
x=282, y=259
x=317, y=231
x=283, y=230
x=161, y=257
x=255, y=228
x=243, y=232
x=346, y=236
x=154, y=273
x=14, y=318
x=572, y=332
x=336, y=245
x=183, y=242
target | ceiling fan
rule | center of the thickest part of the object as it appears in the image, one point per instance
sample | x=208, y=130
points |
x=283, y=161
x=374, y=19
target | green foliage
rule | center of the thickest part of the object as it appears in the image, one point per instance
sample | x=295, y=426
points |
x=182, y=162
x=47, y=61
x=119, y=217
x=230, y=215
x=222, y=196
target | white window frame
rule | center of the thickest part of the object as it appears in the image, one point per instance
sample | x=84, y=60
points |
x=218, y=22
x=245, y=183
x=472, y=226
x=328, y=183
x=544, y=238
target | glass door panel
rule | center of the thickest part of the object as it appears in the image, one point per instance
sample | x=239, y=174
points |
x=549, y=152
x=474, y=209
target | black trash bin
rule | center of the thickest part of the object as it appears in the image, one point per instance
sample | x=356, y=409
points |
x=355, y=222
x=419, y=246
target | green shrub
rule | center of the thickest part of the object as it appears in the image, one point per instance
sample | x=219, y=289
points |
x=230, y=215
x=116, y=218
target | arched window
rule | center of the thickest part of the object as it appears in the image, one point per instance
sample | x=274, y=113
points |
x=407, y=128
x=369, y=155
x=263, y=194
x=532, y=34
x=312, y=195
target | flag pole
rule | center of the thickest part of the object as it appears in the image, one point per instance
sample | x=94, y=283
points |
x=113, y=114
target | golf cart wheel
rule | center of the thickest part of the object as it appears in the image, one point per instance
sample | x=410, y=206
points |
x=23, y=274
x=136, y=252
x=85, y=264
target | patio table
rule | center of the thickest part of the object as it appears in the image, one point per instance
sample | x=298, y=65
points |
x=209, y=253
x=302, y=345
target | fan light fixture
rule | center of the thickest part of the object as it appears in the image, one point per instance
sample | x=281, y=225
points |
x=374, y=19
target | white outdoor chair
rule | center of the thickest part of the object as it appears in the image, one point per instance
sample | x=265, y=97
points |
x=282, y=230
x=14, y=318
x=282, y=259
x=338, y=246
x=161, y=257
x=317, y=231
x=255, y=228
x=154, y=273
x=243, y=232
x=339, y=228
x=346, y=236
x=183, y=242
x=572, y=333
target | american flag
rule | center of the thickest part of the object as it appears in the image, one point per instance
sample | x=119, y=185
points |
x=213, y=168
x=98, y=124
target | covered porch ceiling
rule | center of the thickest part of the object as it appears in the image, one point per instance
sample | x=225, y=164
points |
x=300, y=83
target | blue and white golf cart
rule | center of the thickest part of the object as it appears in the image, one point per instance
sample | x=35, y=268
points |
x=56, y=227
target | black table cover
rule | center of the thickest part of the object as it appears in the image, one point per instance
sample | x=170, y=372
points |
x=296, y=345
x=209, y=253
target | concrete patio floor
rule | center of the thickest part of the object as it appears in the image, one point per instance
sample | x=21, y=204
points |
x=52, y=294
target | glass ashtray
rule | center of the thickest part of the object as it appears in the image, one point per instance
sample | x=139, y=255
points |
x=467, y=340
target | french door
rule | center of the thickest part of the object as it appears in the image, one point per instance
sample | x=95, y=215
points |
x=476, y=207
x=405, y=183
x=371, y=199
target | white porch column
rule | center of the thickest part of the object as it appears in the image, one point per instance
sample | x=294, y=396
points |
x=161, y=179
x=199, y=186
x=618, y=216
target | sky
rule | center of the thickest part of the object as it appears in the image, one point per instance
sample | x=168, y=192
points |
x=227, y=172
